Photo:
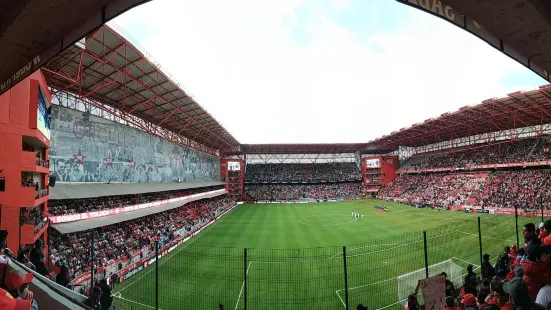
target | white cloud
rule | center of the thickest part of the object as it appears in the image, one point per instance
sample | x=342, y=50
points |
x=244, y=64
x=341, y=4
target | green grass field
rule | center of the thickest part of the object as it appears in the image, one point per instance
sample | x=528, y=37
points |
x=294, y=257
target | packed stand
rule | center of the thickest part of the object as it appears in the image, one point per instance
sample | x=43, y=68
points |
x=525, y=189
x=526, y=150
x=310, y=173
x=119, y=241
x=275, y=192
x=72, y=206
x=442, y=190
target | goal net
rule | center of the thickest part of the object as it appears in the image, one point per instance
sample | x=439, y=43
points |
x=408, y=282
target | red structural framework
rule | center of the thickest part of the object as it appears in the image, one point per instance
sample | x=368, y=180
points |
x=107, y=72
x=321, y=148
x=518, y=115
x=34, y=31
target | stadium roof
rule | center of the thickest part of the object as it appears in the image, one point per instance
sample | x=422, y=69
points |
x=108, y=70
x=520, y=29
x=33, y=31
x=322, y=148
x=516, y=110
x=111, y=71
x=91, y=190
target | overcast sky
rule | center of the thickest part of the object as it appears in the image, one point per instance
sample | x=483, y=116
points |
x=299, y=71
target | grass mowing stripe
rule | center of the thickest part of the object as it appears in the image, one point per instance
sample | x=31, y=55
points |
x=178, y=251
x=381, y=246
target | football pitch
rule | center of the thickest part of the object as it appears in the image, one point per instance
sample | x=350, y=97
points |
x=292, y=257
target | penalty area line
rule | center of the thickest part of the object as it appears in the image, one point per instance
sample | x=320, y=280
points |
x=134, y=302
x=242, y=287
x=337, y=292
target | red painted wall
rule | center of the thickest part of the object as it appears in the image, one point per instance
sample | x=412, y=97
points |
x=18, y=121
x=386, y=172
x=389, y=165
x=224, y=174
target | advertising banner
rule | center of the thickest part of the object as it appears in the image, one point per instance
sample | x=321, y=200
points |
x=83, y=278
x=90, y=215
x=372, y=163
x=234, y=166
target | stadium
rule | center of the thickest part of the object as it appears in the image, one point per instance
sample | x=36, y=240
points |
x=127, y=194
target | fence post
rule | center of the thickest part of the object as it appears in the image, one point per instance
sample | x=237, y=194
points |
x=157, y=275
x=480, y=240
x=345, y=277
x=426, y=254
x=92, y=262
x=245, y=267
x=516, y=225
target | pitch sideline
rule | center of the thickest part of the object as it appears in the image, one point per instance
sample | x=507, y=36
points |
x=177, y=251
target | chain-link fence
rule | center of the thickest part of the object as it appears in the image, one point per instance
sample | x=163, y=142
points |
x=380, y=273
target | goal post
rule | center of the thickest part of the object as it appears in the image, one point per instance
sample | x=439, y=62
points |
x=408, y=282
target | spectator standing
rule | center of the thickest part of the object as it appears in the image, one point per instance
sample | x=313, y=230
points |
x=37, y=258
x=470, y=278
x=94, y=301
x=504, y=260
x=518, y=292
x=450, y=288
x=543, y=233
x=529, y=233
x=488, y=271
x=106, y=297
x=63, y=278
x=546, y=240
x=535, y=270
x=3, y=242
x=23, y=257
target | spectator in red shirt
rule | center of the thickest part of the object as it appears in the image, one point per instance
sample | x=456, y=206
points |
x=542, y=233
x=547, y=231
x=501, y=298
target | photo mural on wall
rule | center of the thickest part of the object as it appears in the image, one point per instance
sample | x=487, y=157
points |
x=86, y=148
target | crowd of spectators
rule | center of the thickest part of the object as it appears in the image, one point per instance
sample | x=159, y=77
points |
x=433, y=189
x=520, y=279
x=29, y=183
x=526, y=189
x=525, y=150
x=119, y=241
x=71, y=206
x=309, y=173
x=276, y=192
